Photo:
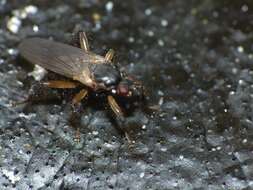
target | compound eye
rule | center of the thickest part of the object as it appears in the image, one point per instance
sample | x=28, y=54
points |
x=123, y=90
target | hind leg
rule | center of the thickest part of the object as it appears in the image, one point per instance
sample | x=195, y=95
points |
x=60, y=84
x=39, y=91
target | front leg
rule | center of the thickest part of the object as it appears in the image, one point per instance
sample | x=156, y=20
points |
x=119, y=115
x=79, y=96
x=115, y=107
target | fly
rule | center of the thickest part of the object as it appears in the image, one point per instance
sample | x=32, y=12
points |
x=84, y=67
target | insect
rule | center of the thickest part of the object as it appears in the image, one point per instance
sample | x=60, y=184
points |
x=83, y=67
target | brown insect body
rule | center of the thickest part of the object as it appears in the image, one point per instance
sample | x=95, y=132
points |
x=80, y=64
x=72, y=62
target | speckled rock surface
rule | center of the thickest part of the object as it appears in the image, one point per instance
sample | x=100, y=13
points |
x=194, y=57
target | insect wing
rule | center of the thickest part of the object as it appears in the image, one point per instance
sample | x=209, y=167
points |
x=57, y=57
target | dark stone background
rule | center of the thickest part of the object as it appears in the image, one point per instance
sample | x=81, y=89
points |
x=194, y=57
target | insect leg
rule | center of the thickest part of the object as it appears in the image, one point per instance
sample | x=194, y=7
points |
x=119, y=113
x=74, y=122
x=84, y=41
x=17, y=103
x=38, y=93
x=60, y=84
x=75, y=117
x=115, y=107
x=109, y=55
x=77, y=135
x=79, y=96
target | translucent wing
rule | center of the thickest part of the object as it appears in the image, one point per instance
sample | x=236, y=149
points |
x=60, y=58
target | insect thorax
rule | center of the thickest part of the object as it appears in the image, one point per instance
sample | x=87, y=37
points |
x=106, y=74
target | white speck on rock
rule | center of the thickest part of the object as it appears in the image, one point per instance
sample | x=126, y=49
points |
x=148, y=12
x=234, y=70
x=131, y=39
x=160, y=93
x=240, y=49
x=35, y=28
x=164, y=22
x=160, y=42
x=150, y=33
x=161, y=100
x=111, y=146
x=29, y=116
x=142, y=174
x=10, y=175
x=13, y=24
x=241, y=82
x=109, y=6
x=245, y=8
x=95, y=132
x=2, y=2
x=237, y=60
x=1, y=61
x=144, y=127
x=31, y=9
x=38, y=73
x=12, y=51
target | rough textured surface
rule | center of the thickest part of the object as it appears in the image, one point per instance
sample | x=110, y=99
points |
x=195, y=58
